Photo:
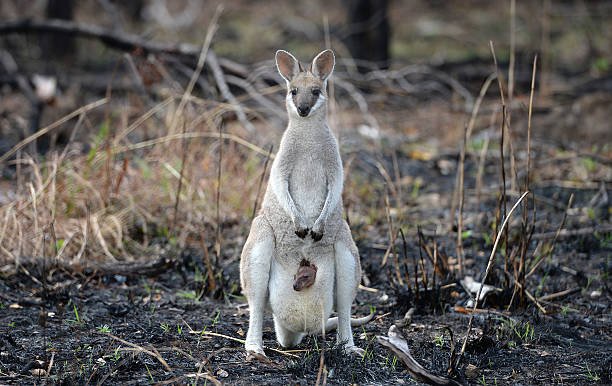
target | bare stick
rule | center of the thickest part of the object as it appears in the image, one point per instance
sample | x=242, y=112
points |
x=392, y=238
x=544, y=48
x=512, y=53
x=481, y=165
x=470, y=128
x=227, y=94
x=212, y=28
x=525, y=236
x=503, y=194
x=483, y=91
x=561, y=294
x=401, y=232
x=414, y=261
x=180, y=180
x=486, y=273
x=141, y=349
x=332, y=88
x=218, y=196
x=529, y=295
x=500, y=81
x=461, y=197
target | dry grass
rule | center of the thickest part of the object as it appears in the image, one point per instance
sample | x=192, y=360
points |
x=109, y=203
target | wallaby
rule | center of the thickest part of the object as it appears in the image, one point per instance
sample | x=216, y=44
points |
x=300, y=226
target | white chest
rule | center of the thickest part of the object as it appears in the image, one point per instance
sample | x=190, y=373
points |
x=308, y=186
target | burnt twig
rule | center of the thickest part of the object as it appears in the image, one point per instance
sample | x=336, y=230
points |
x=398, y=345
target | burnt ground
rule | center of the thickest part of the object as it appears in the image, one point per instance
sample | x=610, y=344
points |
x=143, y=324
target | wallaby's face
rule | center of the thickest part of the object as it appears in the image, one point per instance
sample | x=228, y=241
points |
x=306, y=89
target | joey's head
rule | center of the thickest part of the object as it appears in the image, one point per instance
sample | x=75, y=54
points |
x=305, y=276
x=306, y=89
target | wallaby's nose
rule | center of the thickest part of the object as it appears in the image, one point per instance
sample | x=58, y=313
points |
x=303, y=110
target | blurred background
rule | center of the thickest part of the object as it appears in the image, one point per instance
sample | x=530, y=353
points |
x=119, y=120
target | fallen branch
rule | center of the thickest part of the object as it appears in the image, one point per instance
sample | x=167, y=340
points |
x=112, y=39
x=125, y=42
x=398, y=345
x=576, y=232
x=560, y=294
x=226, y=93
x=139, y=349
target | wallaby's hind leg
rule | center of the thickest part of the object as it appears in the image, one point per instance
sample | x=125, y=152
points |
x=255, y=264
x=286, y=337
x=347, y=281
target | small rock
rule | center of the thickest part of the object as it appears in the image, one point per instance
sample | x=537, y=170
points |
x=39, y=372
x=369, y=132
x=120, y=279
x=471, y=371
x=222, y=373
x=595, y=294
x=446, y=166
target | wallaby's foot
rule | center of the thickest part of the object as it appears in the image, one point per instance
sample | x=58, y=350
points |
x=255, y=356
x=254, y=351
x=355, y=351
x=316, y=236
x=302, y=232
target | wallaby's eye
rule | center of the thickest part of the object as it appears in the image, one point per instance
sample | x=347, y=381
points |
x=316, y=92
x=294, y=91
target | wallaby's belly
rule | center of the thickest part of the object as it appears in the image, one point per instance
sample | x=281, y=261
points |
x=308, y=187
x=306, y=310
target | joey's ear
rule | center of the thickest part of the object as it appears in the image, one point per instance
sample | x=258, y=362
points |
x=323, y=64
x=287, y=65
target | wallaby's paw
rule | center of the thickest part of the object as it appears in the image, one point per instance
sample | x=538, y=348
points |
x=302, y=232
x=355, y=351
x=255, y=356
x=254, y=351
x=316, y=236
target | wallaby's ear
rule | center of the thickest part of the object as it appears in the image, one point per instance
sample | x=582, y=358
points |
x=287, y=65
x=323, y=64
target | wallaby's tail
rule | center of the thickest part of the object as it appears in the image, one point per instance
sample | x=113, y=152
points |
x=332, y=323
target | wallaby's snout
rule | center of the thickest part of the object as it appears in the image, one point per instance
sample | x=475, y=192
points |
x=306, y=88
x=303, y=110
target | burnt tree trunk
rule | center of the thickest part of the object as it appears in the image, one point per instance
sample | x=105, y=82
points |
x=58, y=45
x=368, y=31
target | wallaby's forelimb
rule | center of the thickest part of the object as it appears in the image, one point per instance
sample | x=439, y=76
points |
x=279, y=178
x=334, y=194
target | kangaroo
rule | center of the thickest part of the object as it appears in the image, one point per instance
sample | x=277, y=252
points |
x=300, y=224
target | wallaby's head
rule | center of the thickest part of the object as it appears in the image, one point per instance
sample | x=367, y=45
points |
x=306, y=89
